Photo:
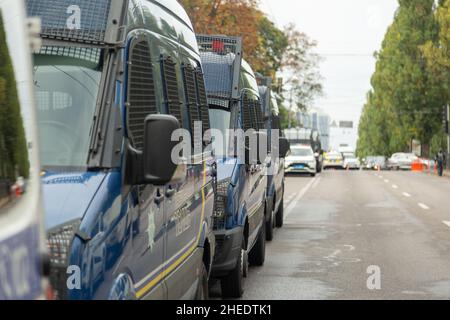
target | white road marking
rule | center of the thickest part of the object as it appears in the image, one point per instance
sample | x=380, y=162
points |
x=300, y=195
x=424, y=206
x=387, y=181
x=406, y=194
x=316, y=183
x=447, y=223
x=394, y=186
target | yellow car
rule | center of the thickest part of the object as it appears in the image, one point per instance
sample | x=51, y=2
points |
x=333, y=160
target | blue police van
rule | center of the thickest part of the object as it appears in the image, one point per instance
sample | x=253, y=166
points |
x=22, y=242
x=276, y=176
x=240, y=206
x=114, y=81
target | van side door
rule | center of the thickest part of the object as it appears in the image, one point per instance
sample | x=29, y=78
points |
x=257, y=179
x=148, y=227
x=183, y=206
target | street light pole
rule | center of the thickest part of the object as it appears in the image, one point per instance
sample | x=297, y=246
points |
x=290, y=107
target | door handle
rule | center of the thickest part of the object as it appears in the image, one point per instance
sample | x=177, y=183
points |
x=159, y=198
x=170, y=192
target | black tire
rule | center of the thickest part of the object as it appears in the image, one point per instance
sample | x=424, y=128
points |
x=270, y=226
x=203, y=286
x=233, y=284
x=279, y=217
x=257, y=255
x=313, y=175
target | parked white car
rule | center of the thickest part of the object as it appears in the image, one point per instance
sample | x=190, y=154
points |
x=301, y=160
x=402, y=161
x=351, y=162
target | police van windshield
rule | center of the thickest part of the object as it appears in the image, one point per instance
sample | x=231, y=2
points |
x=67, y=83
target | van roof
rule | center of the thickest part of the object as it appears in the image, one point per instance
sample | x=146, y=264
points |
x=176, y=9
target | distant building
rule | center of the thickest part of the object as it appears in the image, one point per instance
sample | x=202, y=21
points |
x=343, y=133
x=318, y=120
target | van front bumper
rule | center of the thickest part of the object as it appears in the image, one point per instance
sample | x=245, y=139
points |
x=228, y=249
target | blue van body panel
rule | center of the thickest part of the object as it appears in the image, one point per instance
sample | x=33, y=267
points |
x=20, y=265
x=67, y=195
x=128, y=245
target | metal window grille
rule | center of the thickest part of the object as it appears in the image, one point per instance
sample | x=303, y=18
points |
x=141, y=91
x=171, y=93
x=259, y=125
x=202, y=100
x=246, y=113
x=87, y=54
x=96, y=22
x=221, y=59
x=191, y=94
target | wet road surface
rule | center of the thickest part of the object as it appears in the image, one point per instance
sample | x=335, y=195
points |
x=342, y=228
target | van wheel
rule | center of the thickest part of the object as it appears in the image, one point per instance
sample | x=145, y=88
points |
x=279, y=217
x=257, y=256
x=203, y=286
x=233, y=285
x=270, y=226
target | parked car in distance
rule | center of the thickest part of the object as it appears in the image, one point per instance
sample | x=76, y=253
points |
x=375, y=163
x=121, y=214
x=401, y=161
x=301, y=159
x=240, y=204
x=333, y=160
x=351, y=162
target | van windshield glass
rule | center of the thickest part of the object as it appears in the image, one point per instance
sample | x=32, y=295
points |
x=221, y=121
x=67, y=87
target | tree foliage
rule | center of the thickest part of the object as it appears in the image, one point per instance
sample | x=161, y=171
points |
x=267, y=48
x=407, y=95
x=13, y=149
x=301, y=65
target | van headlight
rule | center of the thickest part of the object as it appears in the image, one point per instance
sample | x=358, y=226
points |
x=311, y=163
x=59, y=242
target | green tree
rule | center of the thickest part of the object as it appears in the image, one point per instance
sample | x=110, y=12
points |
x=14, y=153
x=406, y=98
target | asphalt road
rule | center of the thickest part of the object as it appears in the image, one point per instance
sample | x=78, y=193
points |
x=342, y=228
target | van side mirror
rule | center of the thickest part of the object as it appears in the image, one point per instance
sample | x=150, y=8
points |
x=284, y=147
x=153, y=165
x=158, y=166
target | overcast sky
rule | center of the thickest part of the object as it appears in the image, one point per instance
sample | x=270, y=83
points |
x=348, y=32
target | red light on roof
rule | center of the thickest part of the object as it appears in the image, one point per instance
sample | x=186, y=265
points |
x=218, y=46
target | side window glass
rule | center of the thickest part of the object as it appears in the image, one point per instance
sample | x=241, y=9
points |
x=172, y=99
x=202, y=101
x=191, y=98
x=259, y=125
x=141, y=91
x=246, y=113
